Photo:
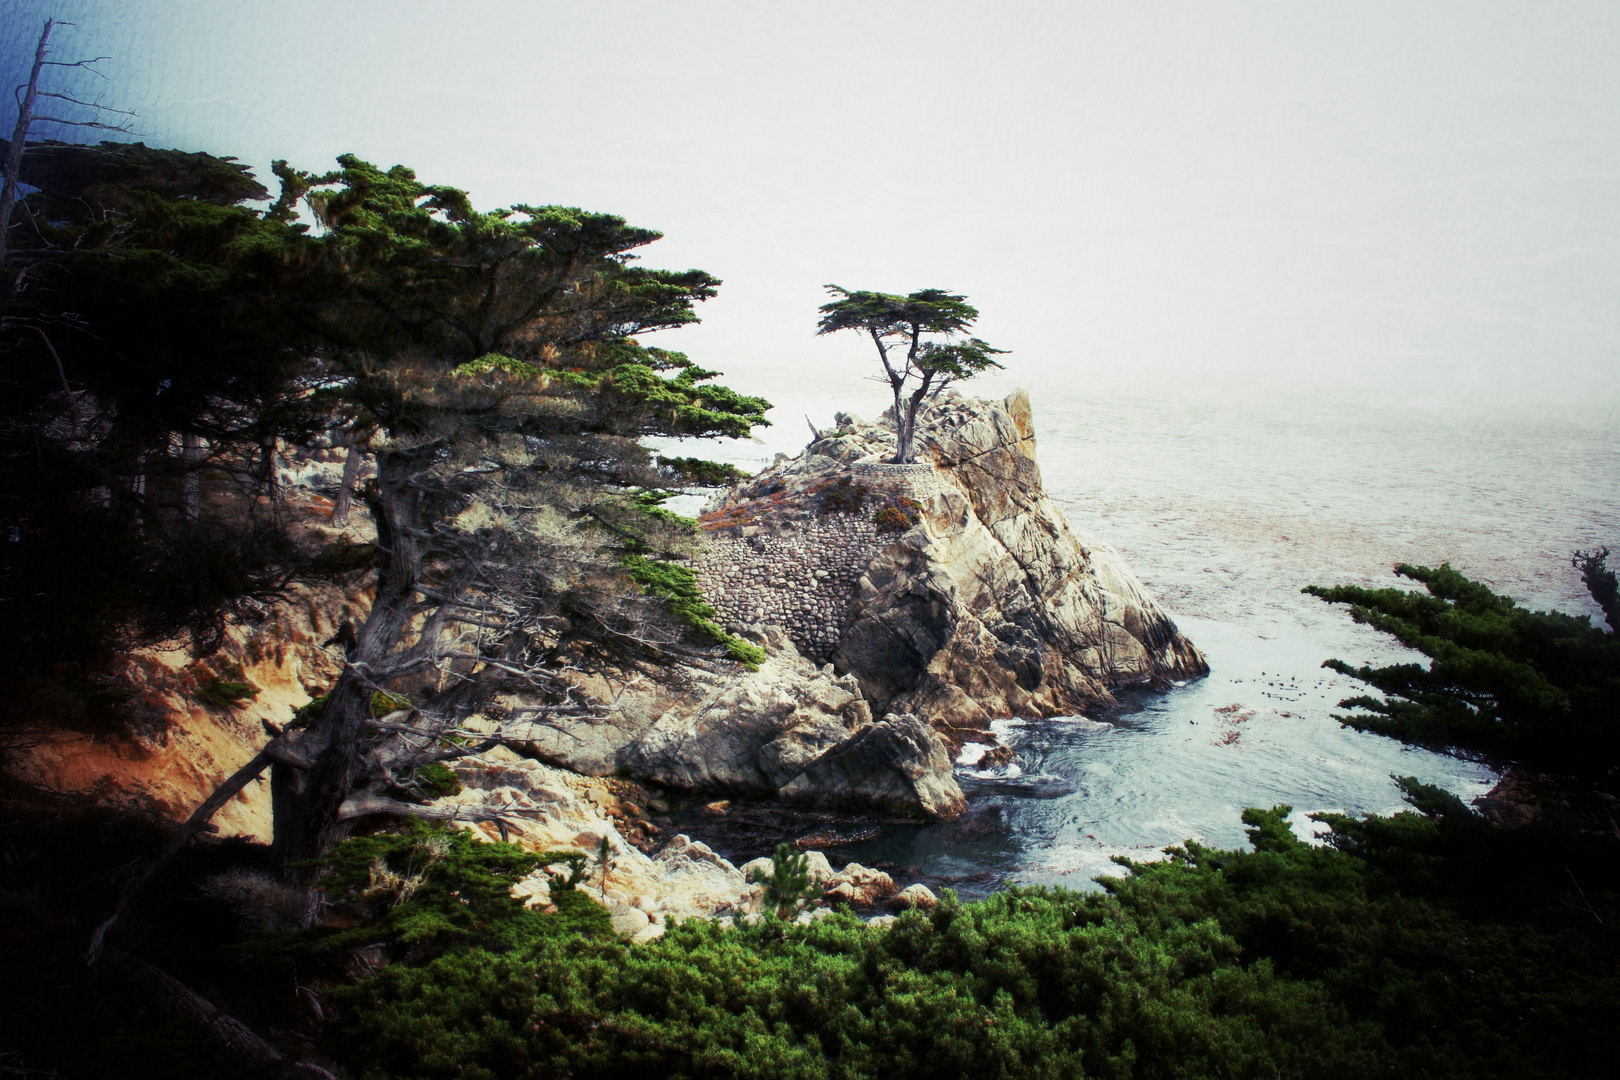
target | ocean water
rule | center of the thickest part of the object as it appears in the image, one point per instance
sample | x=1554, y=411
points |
x=1226, y=503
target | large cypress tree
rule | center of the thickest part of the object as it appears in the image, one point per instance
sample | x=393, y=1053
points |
x=493, y=355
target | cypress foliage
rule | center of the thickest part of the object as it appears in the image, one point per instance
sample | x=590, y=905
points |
x=1504, y=684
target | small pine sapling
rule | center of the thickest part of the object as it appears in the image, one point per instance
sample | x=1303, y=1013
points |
x=788, y=888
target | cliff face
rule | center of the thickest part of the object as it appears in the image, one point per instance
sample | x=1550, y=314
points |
x=164, y=749
x=978, y=601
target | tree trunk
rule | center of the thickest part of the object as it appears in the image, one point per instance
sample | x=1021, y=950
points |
x=137, y=491
x=902, y=431
x=907, y=454
x=19, y=136
x=306, y=804
x=190, y=477
x=267, y=466
x=345, y=495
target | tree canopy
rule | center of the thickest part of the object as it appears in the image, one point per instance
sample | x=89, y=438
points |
x=489, y=360
x=1505, y=684
x=146, y=309
x=921, y=341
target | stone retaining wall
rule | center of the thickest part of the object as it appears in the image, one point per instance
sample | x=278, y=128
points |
x=801, y=579
x=920, y=482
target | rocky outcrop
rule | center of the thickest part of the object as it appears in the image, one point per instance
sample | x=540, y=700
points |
x=976, y=599
x=897, y=764
x=936, y=596
x=550, y=809
x=790, y=728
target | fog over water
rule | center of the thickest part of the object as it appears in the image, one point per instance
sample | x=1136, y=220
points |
x=1299, y=291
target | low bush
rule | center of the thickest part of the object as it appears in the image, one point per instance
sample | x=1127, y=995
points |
x=1290, y=959
x=841, y=496
x=225, y=693
x=427, y=889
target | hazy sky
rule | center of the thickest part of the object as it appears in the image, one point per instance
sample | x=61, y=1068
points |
x=1419, y=196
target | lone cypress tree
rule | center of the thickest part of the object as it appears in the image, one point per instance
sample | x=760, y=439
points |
x=921, y=342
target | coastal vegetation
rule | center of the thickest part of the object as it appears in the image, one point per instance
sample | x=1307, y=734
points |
x=1537, y=689
x=1432, y=942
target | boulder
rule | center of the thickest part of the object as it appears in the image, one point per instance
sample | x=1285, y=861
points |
x=899, y=764
x=534, y=890
x=859, y=885
x=627, y=921
x=693, y=880
x=915, y=896
x=797, y=748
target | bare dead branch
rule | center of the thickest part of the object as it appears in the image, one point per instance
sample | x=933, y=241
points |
x=97, y=105
x=95, y=124
x=60, y=370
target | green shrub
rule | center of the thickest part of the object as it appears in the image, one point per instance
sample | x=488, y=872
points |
x=310, y=711
x=225, y=693
x=428, y=889
x=434, y=781
x=1290, y=959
